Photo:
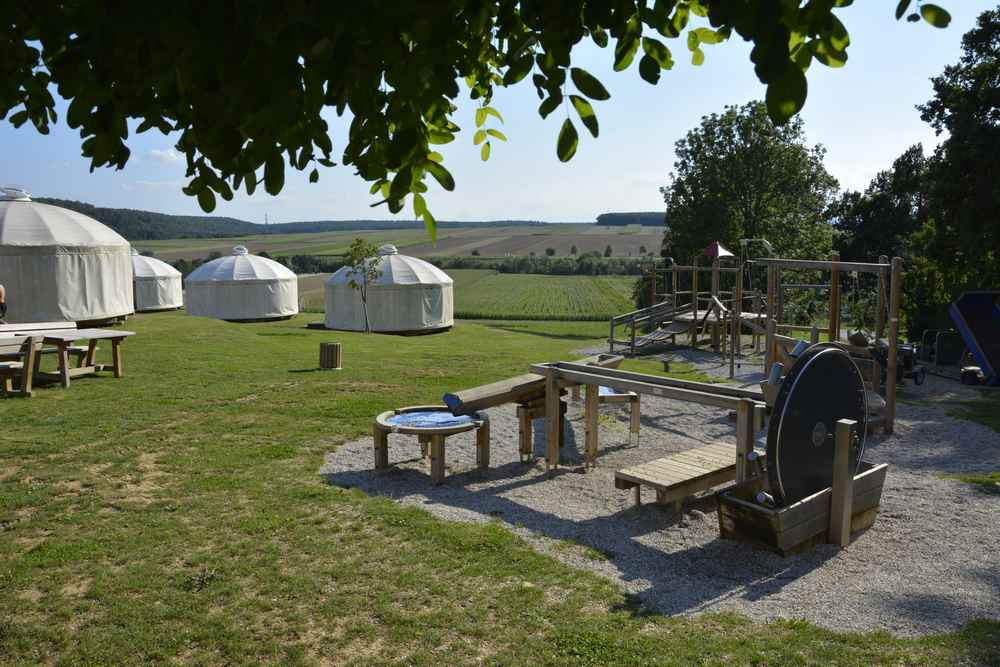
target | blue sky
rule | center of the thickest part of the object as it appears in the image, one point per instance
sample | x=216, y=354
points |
x=863, y=114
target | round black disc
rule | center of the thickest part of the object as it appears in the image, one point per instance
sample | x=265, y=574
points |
x=823, y=386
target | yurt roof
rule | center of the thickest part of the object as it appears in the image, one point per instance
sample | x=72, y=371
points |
x=240, y=266
x=397, y=269
x=27, y=223
x=150, y=267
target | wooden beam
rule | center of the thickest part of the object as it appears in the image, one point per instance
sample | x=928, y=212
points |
x=645, y=384
x=707, y=387
x=880, y=313
x=591, y=409
x=823, y=265
x=834, y=323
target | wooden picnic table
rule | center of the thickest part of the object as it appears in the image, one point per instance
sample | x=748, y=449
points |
x=62, y=339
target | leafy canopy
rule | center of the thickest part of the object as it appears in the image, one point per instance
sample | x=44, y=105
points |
x=244, y=83
x=738, y=175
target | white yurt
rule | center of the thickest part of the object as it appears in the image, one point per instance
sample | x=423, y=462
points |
x=58, y=265
x=409, y=296
x=242, y=288
x=158, y=286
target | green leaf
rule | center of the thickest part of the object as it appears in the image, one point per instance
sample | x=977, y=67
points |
x=490, y=111
x=550, y=104
x=786, y=95
x=913, y=18
x=314, y=176
x=479, y=137
x=901, y=8
x=430, y=224
x=17, y=119
x=586, y=113
x=649, y=69
x=480, y=117
x=441, y=175
x=484, y=152
x=496, y=133
x=829, y=58
x=658, y=51
x=697, y=56
x=567, y=143
x=588, y=84
x=600, y=38
x=419, y=205
x=440, y=137
x=206, y=199
x=627, y=44
x=274, y=174
x=708, y=36
x=936, y=16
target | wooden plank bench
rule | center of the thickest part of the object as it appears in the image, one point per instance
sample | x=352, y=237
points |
x=681, y=474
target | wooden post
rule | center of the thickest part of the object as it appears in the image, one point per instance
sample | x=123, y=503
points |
x=834, y=325
x=694, y=301
x=483, y=443
x=673, y=270
x=736, y=323
x=553, y=419
x=329, y=356
x=590, y=411
x=611, y=337
x=524, y=441
x=759, y=412
x=880, y=314
x=769, y=310
x=895, y=287
x=437, y=459
x=381, y=441
x=652, y=285
x=634, y=417
x=842, y=496
x=425, y=445
x=744, y=438
x=814, y=335
x=574, y=392
x=779, y=291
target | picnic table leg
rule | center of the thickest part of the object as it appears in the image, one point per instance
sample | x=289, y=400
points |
x=63, y=363
x=28, y=370
x=483, y=444
x=116, y=357
x=8, y=384
x=437, y=459
x=381, y=439
x=91, y=353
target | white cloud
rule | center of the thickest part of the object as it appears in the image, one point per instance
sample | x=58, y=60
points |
x=166, y=156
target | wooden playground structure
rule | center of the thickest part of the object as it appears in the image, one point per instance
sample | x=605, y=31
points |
x=733, y=307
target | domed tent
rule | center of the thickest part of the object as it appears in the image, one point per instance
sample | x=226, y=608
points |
x=60, y=265
x=157, y=284
x=409, y=296
x=242, y=288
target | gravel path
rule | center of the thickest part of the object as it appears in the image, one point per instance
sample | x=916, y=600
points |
x=929, y=563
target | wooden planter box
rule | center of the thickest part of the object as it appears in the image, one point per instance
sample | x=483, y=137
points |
x=791, y=529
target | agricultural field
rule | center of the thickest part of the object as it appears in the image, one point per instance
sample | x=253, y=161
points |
x=488, y=295
x=488, y=242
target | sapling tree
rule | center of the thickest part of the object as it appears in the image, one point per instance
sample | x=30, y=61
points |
x=364, y=260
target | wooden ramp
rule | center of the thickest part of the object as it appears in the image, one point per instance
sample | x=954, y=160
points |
x=682, y=474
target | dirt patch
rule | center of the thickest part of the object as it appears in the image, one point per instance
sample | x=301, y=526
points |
x=77, y=587
x=149, y=482
x=30, y=595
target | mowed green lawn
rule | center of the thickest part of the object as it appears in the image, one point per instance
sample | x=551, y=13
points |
x=488, y=295
x=177, y=515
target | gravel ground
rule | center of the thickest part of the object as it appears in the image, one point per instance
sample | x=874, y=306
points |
x=927, y=565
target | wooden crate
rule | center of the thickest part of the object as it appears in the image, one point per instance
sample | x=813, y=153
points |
x=804, y=524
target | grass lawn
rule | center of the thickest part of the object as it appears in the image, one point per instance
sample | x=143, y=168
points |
x=177, y=515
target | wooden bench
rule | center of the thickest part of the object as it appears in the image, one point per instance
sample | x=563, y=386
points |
x=681, y=474
x=19, y=354
x=33, y=328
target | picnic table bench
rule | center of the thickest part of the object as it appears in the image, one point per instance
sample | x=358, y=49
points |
x=63, y=336
x=17, y=357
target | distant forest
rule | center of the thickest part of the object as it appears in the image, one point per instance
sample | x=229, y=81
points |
x=137, y=225
x=646, y=219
